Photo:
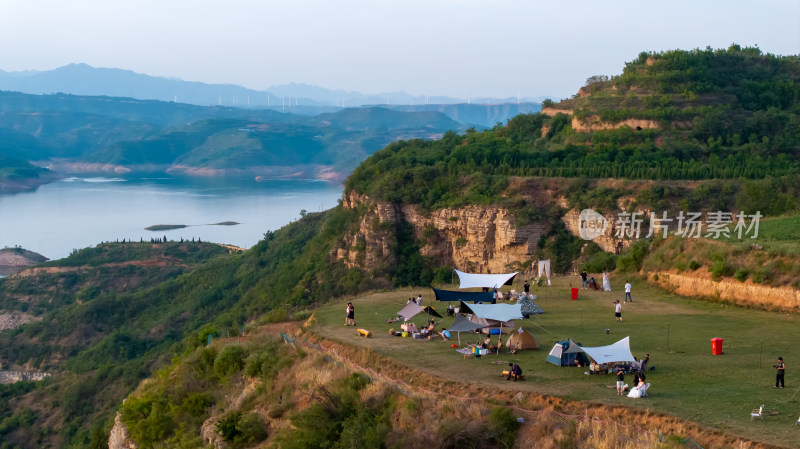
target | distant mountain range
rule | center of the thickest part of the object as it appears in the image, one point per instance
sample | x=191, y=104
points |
x=78, y=118
x=91, y=134
x=82, y=79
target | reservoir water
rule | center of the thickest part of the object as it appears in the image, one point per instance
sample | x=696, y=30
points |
x=76, y=212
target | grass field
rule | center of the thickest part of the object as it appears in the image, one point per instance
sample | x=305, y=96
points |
x=688, y=381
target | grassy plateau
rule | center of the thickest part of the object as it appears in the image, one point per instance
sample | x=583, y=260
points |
x=715, y=391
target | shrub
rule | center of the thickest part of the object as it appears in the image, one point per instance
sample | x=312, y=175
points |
x=719, y=268
x=693, y=265
x=230, y=360
x=275, y=316
x=602, y=261
x=504, y=425
x=632, y=259
x=741, y=274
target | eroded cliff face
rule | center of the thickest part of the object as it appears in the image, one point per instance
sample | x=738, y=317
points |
x=595, y=124
x=476, y=238
x=699, y=283
x=118, y=438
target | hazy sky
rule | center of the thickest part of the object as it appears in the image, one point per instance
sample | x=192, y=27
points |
x=447, y=47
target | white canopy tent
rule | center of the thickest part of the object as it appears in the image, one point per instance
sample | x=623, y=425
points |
x=472, y=280
x=617, y=352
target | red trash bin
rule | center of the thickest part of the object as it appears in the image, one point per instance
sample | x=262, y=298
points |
x=716, y=346
x=574, y=294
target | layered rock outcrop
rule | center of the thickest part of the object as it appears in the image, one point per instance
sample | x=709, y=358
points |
x=118, y=438
x=10, y=377
x=476, y=238
x=699, y=283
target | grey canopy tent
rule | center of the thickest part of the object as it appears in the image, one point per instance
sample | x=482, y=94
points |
x=412, y=309
x=462, y=324
x=450, y=295
x=501, y=315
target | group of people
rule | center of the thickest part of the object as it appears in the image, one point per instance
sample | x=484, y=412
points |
x=350, y=315
x=417, y=301
x=591, y=283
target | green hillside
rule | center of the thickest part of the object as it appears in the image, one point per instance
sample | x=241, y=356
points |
x=726, y=114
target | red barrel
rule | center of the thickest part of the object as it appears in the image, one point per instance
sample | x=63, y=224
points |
x=716, y=346
x=574, y=294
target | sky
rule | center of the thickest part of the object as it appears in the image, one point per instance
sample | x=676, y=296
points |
x=458, y=48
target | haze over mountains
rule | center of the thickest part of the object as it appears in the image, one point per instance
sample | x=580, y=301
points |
x=81, y=119
x=82, y=79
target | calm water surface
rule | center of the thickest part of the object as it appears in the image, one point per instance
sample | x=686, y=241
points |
x=80, y=212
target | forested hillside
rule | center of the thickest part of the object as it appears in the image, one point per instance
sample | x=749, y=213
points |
x=707, y=114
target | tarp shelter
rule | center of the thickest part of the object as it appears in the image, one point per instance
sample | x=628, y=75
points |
x=617, y=352
x=522, y=339
x=462, y=324
x=564, y=353
x=493, y=315
x=450, y=295
x=544, y=269
x=412, y=309
x=497, y=312
x=471, y=280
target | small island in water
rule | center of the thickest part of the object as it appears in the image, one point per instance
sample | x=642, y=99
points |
x=167, y=227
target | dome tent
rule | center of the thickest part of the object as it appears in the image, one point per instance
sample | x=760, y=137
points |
x=565, y=352
x=522, y=339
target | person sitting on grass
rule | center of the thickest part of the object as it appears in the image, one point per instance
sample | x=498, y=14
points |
x=514, y=370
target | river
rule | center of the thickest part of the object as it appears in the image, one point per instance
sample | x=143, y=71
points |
x=80, y=212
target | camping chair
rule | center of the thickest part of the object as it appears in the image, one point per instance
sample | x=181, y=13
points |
x=757, y=413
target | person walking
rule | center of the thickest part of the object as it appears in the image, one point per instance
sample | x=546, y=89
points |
x=618, y=310
x=628, y=292
x=781, y=367
x=350, y=319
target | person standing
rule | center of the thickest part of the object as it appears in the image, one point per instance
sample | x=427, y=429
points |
x=620, y=381
x=584, y=279
x=419, y=299
x=628, y=292
x=351, y=315
x=618, y=310
x=526, y=288
x=606, y=283
x=781, y=367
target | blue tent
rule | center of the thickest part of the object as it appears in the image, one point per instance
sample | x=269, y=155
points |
x=565, y=352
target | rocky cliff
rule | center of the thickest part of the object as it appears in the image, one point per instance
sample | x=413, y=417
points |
x=10, y=377
x=699, y=283
x=118, y=438
x=476, y=238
